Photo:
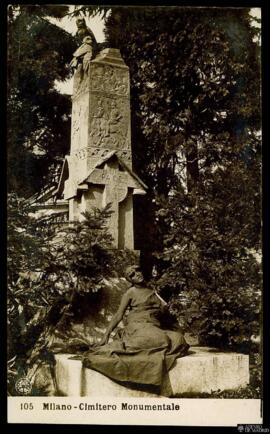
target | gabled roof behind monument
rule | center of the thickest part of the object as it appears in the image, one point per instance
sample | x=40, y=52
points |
x=63, y=176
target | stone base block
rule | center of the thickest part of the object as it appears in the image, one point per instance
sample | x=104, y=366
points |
x=96, y=384
x=203, y=370
x=68, y=374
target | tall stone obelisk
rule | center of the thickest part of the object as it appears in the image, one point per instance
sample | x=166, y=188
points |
x=98, y=170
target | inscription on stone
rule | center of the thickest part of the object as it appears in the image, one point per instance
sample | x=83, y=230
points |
x=116, y=179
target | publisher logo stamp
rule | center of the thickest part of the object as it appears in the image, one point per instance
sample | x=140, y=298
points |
x=23, y=386
x=251, y=428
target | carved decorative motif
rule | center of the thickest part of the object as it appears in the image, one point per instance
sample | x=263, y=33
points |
x=125, y=155
x=109, y=124
x=99, y=125
x=81, y=154
x=107, y=78
x=76, y=121
x=104, y=78
x=99, y=153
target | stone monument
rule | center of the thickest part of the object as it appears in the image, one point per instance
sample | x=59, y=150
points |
x=98, y=170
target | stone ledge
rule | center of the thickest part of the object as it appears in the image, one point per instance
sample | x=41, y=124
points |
x=203, y=370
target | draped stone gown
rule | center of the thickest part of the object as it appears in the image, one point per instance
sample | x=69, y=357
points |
x=142, y=352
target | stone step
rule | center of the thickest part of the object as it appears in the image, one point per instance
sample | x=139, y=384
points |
x=203, y=370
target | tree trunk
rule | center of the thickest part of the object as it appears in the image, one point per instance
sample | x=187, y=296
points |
x=192, y=166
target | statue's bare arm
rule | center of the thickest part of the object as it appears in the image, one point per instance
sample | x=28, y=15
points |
x=117, y=317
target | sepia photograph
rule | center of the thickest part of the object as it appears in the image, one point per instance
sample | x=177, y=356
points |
x=134, y=217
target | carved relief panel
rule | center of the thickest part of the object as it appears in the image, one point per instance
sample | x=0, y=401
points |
x=107, y=78
x=76, y=120
x=109, y=122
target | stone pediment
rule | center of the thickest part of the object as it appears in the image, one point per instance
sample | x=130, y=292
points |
x=100, y=176
x=124, y=175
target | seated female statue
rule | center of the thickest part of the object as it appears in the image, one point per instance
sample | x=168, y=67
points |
x=142, y=352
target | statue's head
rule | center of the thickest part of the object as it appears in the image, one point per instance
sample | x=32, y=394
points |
x=134, y=274
x=80, y=21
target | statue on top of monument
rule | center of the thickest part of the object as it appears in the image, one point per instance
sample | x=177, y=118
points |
x=83, y=31
x=83, y=54
x=88, y=48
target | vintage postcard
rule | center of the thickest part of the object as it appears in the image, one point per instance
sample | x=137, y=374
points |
x=134, y=216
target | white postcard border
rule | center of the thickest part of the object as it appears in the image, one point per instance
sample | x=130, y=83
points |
x=126, y=411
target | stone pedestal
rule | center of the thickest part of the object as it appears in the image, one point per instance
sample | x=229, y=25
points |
x=206, y=370
x=98, y=170
x=203, y=370
x=100, y=112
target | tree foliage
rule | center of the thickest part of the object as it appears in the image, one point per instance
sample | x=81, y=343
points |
x=209, y=258
x=50, y=267
x=38, y=115
x=194, y=86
